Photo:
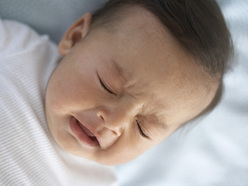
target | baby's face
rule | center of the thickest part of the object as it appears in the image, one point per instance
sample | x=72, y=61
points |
x=115, y=95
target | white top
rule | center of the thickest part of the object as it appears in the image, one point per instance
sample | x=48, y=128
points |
x=28, y=154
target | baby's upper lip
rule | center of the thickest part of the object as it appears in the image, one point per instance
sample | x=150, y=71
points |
x=92, y=131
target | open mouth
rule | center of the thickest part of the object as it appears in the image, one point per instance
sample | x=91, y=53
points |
x=83, y=133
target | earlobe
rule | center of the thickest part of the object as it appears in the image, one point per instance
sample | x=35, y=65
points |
x=74, y=34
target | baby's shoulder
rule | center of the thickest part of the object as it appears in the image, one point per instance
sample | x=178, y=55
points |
x=17, y=37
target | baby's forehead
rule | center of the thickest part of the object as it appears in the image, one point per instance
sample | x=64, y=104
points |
x=134, y=15
x=172, y=99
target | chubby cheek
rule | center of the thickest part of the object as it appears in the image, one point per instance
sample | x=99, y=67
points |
x=129, y=148
x=124, y=150
x=117, y=156
x=69, y=90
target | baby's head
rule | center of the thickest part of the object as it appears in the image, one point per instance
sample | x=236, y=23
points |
x=133, y=73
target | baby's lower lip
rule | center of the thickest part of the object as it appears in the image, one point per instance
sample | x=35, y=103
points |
x=81, y=133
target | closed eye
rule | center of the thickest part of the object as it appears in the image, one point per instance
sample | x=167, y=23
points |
x=141, y=131
x=105, y=87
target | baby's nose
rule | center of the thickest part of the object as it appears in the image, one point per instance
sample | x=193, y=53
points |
x=115, y=120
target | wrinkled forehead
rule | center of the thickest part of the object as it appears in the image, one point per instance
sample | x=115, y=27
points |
x=172, y=87
x=174, y=100
x=173, y=92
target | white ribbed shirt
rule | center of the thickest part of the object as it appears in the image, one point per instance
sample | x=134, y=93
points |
x=28, y=153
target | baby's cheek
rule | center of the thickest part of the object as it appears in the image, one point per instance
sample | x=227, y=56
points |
x=57, y=97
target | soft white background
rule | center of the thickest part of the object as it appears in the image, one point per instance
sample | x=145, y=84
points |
x=210, y=151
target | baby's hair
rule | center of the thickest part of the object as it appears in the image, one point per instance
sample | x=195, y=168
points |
x=198, y=26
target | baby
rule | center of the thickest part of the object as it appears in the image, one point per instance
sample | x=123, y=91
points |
x=132, y=74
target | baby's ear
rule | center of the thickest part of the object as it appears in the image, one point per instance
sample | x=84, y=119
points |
x=74, y=34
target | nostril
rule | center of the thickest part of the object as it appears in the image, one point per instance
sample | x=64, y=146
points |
x=115, y=133
x=108, y=123
x=100, y=116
